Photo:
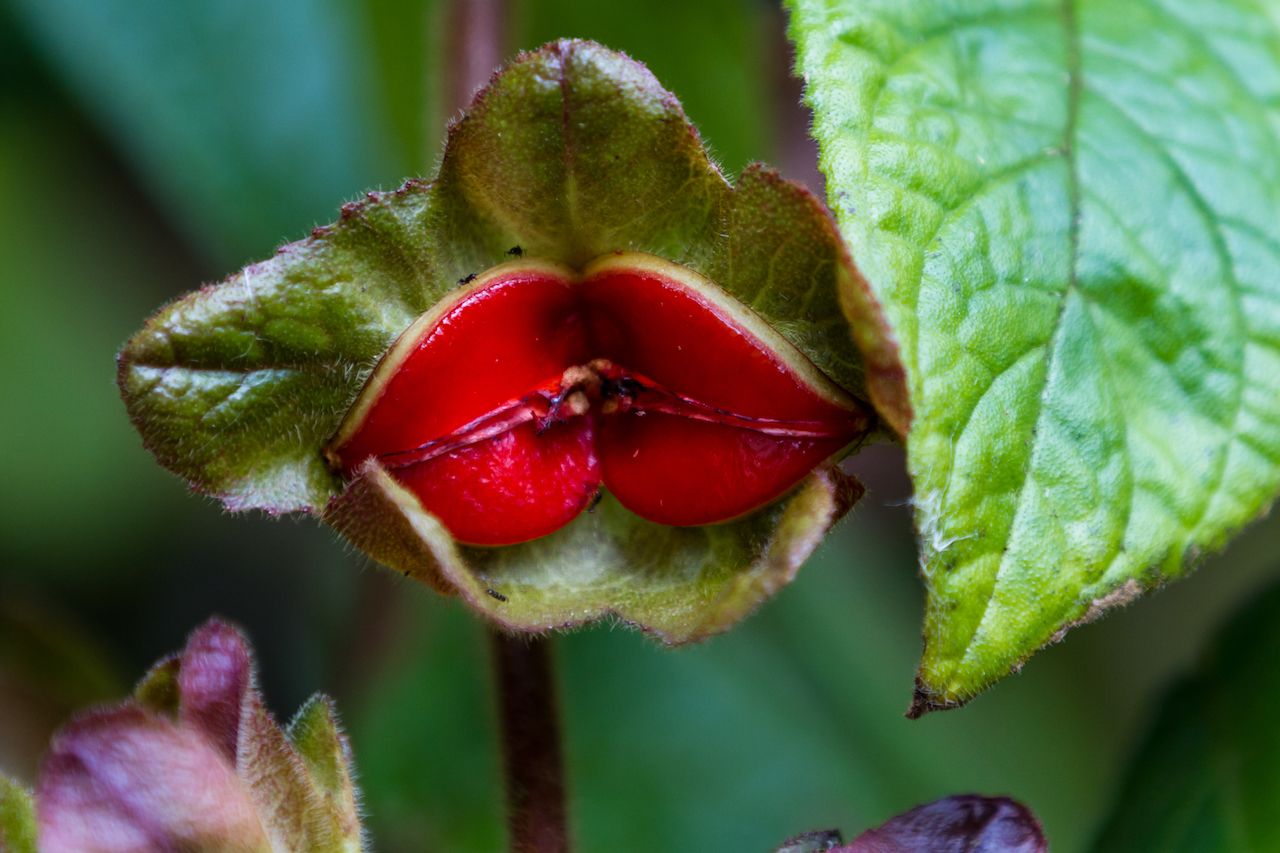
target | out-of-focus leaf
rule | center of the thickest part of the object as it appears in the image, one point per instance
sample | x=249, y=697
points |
x=724, y=80
x=59, y=329
x=248, y=119
x=49, y=667
x=159, y=690
x=1068, y=213
x=1205, y=779
x=239, y=387
x=433, y=694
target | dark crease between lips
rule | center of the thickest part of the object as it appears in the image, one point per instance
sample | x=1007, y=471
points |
x=506, y=409
x=631, y=393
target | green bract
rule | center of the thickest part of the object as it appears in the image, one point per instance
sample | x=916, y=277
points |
x=570, y=153
x=17, y=818
x=1069, y=213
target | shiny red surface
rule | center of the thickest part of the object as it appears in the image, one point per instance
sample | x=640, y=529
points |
x=694, y=420
x=645, y=322
x=493, y=345
x=517, y=486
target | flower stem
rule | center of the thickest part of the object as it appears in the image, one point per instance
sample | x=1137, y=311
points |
x=475, y=45
x=530, y=744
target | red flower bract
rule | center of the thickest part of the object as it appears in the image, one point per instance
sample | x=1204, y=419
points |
x=507, y=407
x=666, y=341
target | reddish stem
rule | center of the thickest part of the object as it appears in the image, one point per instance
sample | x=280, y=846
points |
x=475, y=47
x=530, y=744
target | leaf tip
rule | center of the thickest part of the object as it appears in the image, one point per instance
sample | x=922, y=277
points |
x=925, y=700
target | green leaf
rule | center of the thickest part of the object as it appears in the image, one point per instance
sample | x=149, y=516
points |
x=572, y=152
x=1205, y=779
x=723, y=84
x=1067, y=211
x=320, y=743
x=17, y=818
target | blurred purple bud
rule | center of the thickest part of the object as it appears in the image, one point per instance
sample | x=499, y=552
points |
x=127, y=780
x=961, y=824
x=215, y=678
x=193, y=762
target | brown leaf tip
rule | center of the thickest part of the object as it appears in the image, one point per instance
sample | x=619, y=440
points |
x=926, y=701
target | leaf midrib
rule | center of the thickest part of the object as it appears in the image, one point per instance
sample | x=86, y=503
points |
x=1071, y=35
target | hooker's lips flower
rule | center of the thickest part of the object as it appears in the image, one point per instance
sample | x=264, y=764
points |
x=507, y=407
x=639, y=416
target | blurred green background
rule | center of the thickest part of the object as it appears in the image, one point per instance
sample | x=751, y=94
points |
x=147, y=146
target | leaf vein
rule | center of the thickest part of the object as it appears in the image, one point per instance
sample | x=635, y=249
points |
x=1071, y=33
x=1203, y=207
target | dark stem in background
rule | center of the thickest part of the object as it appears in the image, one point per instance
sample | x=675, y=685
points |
x=530, y=726
x=527, y=715
x=475, y=45
x=797, y=151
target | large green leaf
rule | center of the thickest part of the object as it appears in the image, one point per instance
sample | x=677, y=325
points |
x=1205, y=780
x=571, y=153
x=1068, y=212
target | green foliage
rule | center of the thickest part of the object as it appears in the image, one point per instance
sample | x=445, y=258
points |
x=571, y=153
x=719, y=80
x=217, y=132
x=17, y=818
x=1067, y=210
x=324, y=750
x=1205, y=780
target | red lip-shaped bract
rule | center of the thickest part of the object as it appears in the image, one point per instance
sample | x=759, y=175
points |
x=399, y=375
x=506, y=409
